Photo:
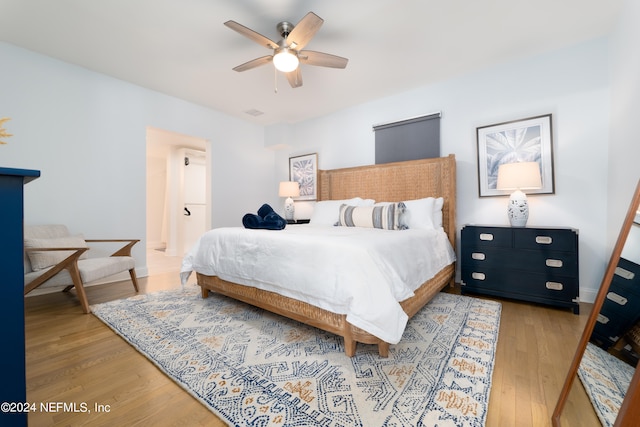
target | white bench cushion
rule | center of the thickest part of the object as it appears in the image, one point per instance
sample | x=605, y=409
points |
x=91, y=269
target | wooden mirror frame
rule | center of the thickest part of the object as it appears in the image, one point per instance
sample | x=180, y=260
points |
x=629, y=412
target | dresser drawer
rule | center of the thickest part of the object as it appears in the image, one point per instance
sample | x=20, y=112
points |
x=602, y=338
x=548, y=263
x=546, y=239
x=621, y=300
x=521, y=285
x=627, y=275
x=486, y=236
x=610, y=325
x=484, y=256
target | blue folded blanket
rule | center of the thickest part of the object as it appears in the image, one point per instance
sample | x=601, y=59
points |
x=266, y=219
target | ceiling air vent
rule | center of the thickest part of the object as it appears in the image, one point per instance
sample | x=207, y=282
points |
x=253, y=112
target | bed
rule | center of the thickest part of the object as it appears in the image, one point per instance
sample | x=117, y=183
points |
x=391, y=182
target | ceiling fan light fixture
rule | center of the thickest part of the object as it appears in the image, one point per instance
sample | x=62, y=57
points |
x=285, y=60
x=287, y=54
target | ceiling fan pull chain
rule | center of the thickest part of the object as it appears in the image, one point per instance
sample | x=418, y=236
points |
x=275, y=80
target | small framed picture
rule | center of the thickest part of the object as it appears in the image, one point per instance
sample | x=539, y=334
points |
x=304, y=171
x=525, y=140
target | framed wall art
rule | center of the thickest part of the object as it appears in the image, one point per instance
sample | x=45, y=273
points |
x=304, y=171
x=525, y=140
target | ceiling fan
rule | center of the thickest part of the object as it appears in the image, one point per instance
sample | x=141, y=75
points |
x=287, y=53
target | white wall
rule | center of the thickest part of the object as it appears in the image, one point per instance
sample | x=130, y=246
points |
x=624, y=147
x=86, y=133
x=572, y=84
x=156, y=193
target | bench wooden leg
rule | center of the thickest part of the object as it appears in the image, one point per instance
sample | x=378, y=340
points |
x=77, y=283
x=134, y=279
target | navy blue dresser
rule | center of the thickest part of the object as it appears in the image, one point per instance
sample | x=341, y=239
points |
x=621, y=308
x=13, y=384
x=531, y=264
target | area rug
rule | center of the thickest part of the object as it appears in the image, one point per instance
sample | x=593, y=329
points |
x=605, y=379
x=254, y=368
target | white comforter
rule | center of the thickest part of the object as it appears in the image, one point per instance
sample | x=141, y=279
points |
x=360, y=272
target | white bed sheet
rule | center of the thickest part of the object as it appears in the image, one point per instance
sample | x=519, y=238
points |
x=361, y=272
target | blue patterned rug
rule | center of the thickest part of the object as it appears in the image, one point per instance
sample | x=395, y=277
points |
x=253, y=368
x=605, y=379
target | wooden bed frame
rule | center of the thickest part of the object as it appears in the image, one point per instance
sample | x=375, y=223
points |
x=390, y=182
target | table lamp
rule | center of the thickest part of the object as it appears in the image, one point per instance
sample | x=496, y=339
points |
x=289, y=189
x=518, y=176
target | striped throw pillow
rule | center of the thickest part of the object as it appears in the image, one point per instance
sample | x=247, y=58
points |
x=387, y=217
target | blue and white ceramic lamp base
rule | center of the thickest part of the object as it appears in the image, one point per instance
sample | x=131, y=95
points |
x=289, y=209
x=518, y=209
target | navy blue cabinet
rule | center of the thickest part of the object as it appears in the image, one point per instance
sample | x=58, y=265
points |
x=621, y=308
x=530, y=264
x=13, y=383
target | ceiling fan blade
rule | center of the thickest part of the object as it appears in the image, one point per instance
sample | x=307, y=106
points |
x=250, y=34
x=322, y=59
x=254, y=63
x=294, y=78
x=304, y=31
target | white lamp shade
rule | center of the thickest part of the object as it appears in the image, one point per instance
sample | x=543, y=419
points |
x=289, y=189
x=519, y=176
x=285, y=60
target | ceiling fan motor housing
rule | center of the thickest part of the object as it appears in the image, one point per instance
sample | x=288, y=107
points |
x=284, y=28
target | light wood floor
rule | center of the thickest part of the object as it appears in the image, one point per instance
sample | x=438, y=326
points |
x=75, y=358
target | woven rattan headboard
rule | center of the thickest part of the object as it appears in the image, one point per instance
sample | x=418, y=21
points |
x=395, y=182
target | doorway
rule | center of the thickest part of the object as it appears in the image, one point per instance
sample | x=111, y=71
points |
x=178, y=196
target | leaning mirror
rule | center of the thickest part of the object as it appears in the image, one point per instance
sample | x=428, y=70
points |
x=608, y=352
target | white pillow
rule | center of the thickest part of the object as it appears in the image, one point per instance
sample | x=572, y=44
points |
x=437, y=212
x=420, y=213
x=326, y=212
x=43, y=259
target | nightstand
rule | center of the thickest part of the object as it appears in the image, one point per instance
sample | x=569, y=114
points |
x=536, y=264
x=298, y=221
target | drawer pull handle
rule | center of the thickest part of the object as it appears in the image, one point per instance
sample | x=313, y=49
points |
x=486, y=236
x=554, y=286
x=478, y=276
x=618, y=299
x=603, y=319
x=478, y=256
x=554, y=263
x=625, y=274
x=544, y=240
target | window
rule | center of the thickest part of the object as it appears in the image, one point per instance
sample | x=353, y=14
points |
x=409, y=139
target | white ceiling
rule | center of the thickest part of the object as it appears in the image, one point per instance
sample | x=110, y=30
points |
x=182, y=48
